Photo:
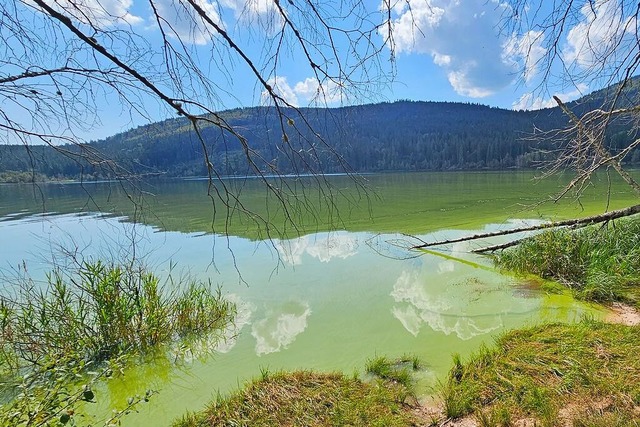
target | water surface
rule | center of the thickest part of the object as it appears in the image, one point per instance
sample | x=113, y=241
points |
x=328, y=295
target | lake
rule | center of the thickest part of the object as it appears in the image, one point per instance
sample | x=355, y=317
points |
x=325, y=285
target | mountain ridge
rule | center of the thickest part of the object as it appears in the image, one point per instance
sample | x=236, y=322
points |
x=388, y=136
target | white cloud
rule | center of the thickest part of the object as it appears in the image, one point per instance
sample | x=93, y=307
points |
x=527, y=52
x=229, y=336
x=291, y=251
x=442, y=60
x=409, y=288
x=334, y=246
x=249, y=9
x=461, y=37
x=463, y=84
x=102, y=13
x=442, y=313
x=186, y=24
x=409, y=318
x=306, y=91
x=329, y=92
x=598, y=34
x=280, y=87
x=220, y=342
x=529, y=101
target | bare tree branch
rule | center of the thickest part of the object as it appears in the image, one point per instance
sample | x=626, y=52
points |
x=60, y=56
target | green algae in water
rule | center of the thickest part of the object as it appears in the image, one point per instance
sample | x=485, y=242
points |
x=414, y=203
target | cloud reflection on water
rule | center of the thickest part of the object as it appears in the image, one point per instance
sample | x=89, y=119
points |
x=280, y=327
x=244, y=311
x=324, y=247
x=417, y=307
x=220, y=341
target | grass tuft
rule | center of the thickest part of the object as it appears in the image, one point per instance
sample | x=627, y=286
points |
x=399, y=370
x=307, y=399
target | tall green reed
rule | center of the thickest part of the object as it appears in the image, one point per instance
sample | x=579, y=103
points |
x=600, y=263
x=60, y=338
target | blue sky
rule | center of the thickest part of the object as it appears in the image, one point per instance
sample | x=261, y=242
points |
x=446, y=50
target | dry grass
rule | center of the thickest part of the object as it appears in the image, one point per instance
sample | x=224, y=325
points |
x=306, y=398
x=537, y=373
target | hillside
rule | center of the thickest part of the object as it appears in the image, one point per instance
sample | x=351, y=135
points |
x=389, y=136
x=403, y=135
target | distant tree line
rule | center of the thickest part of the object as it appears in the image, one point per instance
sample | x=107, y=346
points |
x=399, y=136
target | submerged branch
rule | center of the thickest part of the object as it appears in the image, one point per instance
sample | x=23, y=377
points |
x=620, y=213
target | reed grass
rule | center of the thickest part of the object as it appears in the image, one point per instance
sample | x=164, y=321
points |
x=103, y=311
x=57, y=340
x=600, y=263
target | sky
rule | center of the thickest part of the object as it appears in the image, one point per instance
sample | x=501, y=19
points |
x=445, y=50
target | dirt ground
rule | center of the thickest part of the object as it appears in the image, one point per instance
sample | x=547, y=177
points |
x=623, y=314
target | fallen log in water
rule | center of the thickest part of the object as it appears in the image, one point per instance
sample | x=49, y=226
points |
x=632, y=210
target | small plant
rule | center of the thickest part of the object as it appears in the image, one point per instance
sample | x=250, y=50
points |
x=396, y=371
x=457, y=370
x=457, y=401
x=493, y=417
x=414, y=361
x=485, y=418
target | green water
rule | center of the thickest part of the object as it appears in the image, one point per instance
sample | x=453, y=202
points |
x=328, y=295
x=410, y=202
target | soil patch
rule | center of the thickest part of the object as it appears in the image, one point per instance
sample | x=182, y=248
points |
x=623, y=314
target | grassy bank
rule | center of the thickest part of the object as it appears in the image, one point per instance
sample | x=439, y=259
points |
x=306, y=398
x=600, y=263
x=584, y=374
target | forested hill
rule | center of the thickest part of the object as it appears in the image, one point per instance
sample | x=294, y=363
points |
x=398, y=136
x=402, y=135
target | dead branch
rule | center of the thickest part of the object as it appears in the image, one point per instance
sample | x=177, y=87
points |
x=620, y=213
x=596, y=144
x=494, y=248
